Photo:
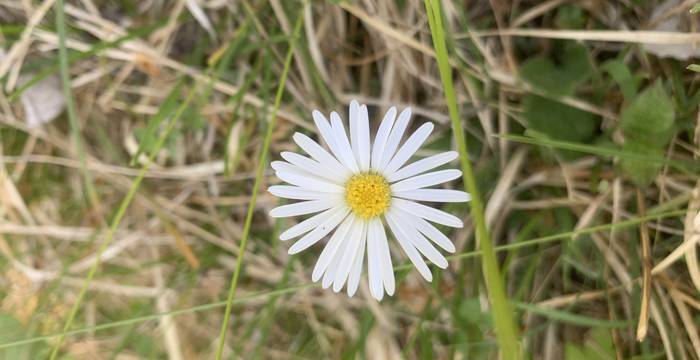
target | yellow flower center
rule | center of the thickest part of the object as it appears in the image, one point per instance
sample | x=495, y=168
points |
x=368, y=195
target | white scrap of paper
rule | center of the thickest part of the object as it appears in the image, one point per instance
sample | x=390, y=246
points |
x=673, y=24
x=42, y=101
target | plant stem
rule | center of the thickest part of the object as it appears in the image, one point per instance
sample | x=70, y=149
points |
x=501, y=309
x=262, y=164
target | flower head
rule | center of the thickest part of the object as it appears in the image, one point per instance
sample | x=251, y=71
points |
x=355, y=189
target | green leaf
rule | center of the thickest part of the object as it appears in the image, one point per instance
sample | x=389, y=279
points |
x=557, y=120
x=543, y=74
x=473, y=324
x=598, y=345
x=641, y=172
x=694, y=67
x=649, y=118
x=12, y=330
x=574, y=352
x=470, y=312
x=576, y=63
x=627, y=82
x=648, y=125
x=569, y=17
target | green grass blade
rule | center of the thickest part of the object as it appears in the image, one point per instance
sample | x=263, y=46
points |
x=501, y=309
x=262, y=164
x=289, y=290
x=149, y=137
x=70, y=106
x=117, y=220
x=237, y=100
x=156, y=316
x=126, y=201
x=569, y=318
x=688, y=167
x=561, y=236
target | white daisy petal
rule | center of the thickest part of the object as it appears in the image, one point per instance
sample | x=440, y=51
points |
x=409, y=148
x=382, y=136
x=354, y=120
x=281, y=165
x=329, y=275
x=341, y=138
x=362, y=137
x=309, y=183
x=330, y=250
x=318, y=153
x=430, y=231
x=306, y=171
x=327, y=279
x=346, y=262
x=422, y=166
x=322, y=230
x=308, y=224
x=356, y=270
x=419, y=241
x=385, y=260
x=394, y=138
x=301, y=170
x=302, y=208
x=324, y=128
x=428, y=213
x=433, y=195
x=374, y=267
x=408, y=247
x=426, y=180
x=295, y=193
x=346, y=245
x=295, y=176
x=314, y=167
x=329, y=134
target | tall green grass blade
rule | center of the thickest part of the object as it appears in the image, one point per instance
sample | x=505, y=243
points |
x=501, y=309
x=70, y=106
x=231, y=162
x=262, y=164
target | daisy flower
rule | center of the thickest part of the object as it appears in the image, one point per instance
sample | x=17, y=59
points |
x=356, y=188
